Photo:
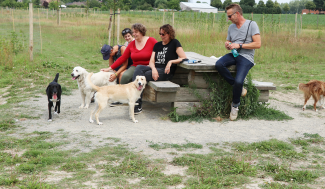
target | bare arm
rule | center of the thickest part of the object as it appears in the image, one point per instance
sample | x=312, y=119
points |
x=256, y=44
x=181, y=55
x=155, y=74
x=121, y=69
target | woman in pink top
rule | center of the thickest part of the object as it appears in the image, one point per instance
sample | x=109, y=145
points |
x=139, y=50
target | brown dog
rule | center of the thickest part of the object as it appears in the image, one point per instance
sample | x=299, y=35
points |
x=313, y=88
x=127, y=93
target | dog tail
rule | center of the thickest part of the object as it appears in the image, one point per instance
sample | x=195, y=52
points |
x=90, y=83
x=303, y=87
x=56, y=78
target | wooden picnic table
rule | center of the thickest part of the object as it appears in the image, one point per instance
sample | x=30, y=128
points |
x=188, y=74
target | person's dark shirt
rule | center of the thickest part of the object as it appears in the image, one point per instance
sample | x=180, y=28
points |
x=165, y=53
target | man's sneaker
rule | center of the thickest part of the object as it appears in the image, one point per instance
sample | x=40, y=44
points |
x=137, y=110
x=233, y=113
x=115, y=104
x=243, y=92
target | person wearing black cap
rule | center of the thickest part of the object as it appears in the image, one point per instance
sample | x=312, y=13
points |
x=112, y=54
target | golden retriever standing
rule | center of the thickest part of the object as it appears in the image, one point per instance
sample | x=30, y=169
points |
x=313, y=88
x=128, y=93
x=99, y=79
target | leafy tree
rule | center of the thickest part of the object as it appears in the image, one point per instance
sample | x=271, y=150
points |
x=310, y=5
x=261, y=4
x=216, y=3
x=324, y=6
x=250, y=3
x=174, y=4
x=161, y=4
x=45, y=4
x=145, y=6
x=286, y=7
x=198, y=1
x=53, y=5
x=36, y=2
x=226, y=3
x=319, y=3
x=269, y=4
x=94, y=3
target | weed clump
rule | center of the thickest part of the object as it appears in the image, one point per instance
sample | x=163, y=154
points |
x=218, y=103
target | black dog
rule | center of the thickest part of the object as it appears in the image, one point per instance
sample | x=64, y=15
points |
x=53, y=92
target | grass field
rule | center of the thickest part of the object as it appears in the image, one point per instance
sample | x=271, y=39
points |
x=283, y=59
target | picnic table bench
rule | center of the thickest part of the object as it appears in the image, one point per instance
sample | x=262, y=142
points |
x=188, y=74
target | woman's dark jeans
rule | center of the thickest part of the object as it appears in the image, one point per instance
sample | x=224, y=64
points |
x=242, y=65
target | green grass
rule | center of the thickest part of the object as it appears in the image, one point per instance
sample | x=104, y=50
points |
x=157, y=146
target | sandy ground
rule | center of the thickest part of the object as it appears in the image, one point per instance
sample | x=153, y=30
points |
x=155, y=127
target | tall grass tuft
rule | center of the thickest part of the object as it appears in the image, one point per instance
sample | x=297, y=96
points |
x=218, y=103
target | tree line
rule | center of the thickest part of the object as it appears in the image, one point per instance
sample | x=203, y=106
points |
x=248, y=6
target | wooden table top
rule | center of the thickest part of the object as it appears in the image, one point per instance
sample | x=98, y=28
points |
x=206, y=65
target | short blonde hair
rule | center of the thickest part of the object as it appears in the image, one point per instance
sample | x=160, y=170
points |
x=140, y=27
x=236, y=8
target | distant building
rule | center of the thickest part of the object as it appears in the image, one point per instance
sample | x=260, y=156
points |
x=306, y=11
x=202, y=1
x=198, y=7
x=77, y=3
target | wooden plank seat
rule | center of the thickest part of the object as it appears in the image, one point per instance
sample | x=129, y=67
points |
x=167, y=91
x=160, y=91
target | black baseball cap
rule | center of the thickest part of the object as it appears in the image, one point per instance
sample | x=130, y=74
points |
x=106, y=51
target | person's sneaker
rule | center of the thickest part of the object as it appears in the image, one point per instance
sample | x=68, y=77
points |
x=243, y=92
x=115, y=104
x=137, y=110
x=233, y=113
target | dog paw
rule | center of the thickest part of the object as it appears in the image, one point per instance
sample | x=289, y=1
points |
x=86, y=107
x=135, y=121
x=81, y=106
x=49, y=120
x=100, y=123
x=91, y=121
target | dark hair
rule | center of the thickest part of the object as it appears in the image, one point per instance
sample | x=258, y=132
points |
x=126, y=31
x=140, y=27
x=236, y=8
x=169, y=30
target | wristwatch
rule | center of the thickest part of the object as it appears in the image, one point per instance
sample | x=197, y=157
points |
x=240, y=45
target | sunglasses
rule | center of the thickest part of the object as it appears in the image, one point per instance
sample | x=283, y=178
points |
x=162, y=34
x=231, y=15
x=126, y=31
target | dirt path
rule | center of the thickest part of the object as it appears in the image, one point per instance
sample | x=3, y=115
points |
x=154, y=127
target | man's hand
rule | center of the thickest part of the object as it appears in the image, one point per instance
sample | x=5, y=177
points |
x=106, y=69
x=167, y=69
x=155, y=74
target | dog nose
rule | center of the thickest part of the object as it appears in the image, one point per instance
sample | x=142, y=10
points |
x=72, y=74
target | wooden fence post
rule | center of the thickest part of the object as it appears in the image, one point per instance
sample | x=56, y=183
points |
x=118, y=26
x=59, y=16
x=40, y=30
x=13, y=19
x=30, y=31
x=296, y=25
x=173, y=20
x=47, y=14
x=300, y=22
x=110, y=26
x=252, y=16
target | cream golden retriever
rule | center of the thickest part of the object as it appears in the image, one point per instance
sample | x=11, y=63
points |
x=127, y=93
x=100, y=79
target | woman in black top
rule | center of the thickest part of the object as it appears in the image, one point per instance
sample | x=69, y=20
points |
x=164, y=58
